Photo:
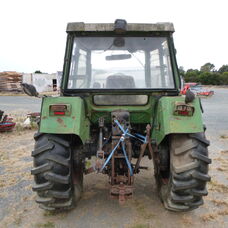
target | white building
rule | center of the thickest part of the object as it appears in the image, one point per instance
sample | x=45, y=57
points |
x=43, y=82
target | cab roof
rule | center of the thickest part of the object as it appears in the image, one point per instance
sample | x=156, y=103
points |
x=109, y=27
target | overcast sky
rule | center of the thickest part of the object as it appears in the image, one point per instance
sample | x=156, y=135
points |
x=32, y=32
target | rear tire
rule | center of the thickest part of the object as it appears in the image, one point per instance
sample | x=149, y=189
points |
x=53, y=172
x=188, y=173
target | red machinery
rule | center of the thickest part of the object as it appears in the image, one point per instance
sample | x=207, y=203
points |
x=196, y=89
x=6, y=123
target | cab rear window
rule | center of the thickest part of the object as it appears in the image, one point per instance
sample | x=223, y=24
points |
x=120, y=99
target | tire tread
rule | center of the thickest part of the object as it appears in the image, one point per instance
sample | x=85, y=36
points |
x=187, y=182
x=52, y=156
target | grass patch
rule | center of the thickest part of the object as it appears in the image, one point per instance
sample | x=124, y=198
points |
x=223, y=166
x=52, y=213
x=140, y=226
x=187, y=220
x=19, y=119
x=224, y=136
x=17, y=221
x=222, y=160
x=223, y=212
x=142, y=210
x=214, y=216
x=49, y=213
x=220, y=202
x=45, y=225
x=20, y=127
x=56, y=214
x=3, y=194
x=4, y=156
x=209, y=217
x=222, y=169
x=218, y=187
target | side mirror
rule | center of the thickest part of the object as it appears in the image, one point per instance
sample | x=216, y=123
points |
x=189, y=96
x=29, y=89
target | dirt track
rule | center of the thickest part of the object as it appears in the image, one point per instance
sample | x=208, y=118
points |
x=96, y=209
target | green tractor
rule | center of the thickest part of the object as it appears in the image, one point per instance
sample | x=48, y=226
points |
x=120, y=100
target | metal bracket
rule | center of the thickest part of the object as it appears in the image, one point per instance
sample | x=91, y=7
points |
x=143, y=148
x=122, y=192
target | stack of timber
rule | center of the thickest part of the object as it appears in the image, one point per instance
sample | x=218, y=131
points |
x=10, y=81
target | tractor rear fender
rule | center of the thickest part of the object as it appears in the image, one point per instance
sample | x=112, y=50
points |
x=169, y=121
x=64, y=115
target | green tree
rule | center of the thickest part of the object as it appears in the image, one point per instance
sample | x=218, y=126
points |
x=224, y=78
x=207, y=67
x=38, y=72
x=223, y=68
x=208, y=78
x=192, y=75
x=181, y=70
x=219, y=77
x=195, y=71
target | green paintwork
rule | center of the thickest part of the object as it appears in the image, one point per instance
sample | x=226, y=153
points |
x=82, y=114
x=138, y=114
x=75, y=122
x=166, y=122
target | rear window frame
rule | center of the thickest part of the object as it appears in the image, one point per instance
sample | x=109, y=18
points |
x=146, y=103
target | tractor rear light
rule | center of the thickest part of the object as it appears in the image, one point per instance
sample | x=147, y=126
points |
x=59, y=113
x=182, y=109
x=60, y=109
x=183, y=113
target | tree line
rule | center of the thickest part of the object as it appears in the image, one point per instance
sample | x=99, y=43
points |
x=207, y=75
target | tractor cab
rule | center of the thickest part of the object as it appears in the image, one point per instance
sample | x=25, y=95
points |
x=104, y=59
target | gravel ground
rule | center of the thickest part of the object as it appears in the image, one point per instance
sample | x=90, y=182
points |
x=96, y=209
